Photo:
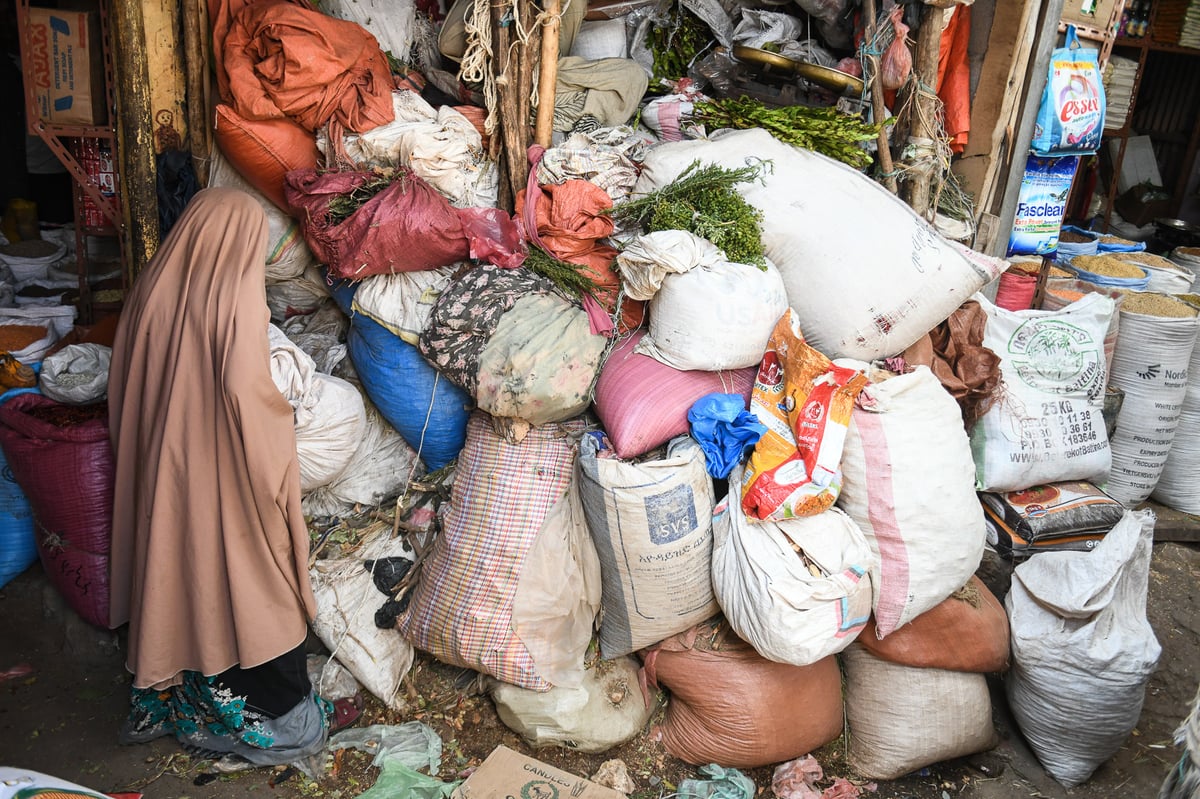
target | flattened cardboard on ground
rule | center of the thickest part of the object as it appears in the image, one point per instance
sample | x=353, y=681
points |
x=506, y=774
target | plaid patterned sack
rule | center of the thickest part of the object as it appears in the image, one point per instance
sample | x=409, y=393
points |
x=512, y=585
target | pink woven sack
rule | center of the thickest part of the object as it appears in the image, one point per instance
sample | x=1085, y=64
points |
x=66, y=471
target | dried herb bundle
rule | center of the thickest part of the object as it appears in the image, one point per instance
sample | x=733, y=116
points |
x=703, y=200
x=822, y=130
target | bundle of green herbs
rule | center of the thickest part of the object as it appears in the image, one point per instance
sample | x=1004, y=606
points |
x=674, y=43
x=823, y=130
x=343, y=206
x=703, y=200
x=570, y=278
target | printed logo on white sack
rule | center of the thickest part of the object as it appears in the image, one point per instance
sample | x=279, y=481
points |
x=1058, y=357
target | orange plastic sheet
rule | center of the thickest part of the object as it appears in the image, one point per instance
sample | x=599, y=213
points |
x=283, y=58
x=570, y=221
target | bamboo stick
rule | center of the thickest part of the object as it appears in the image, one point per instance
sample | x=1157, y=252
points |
x=878, y=112
x=548, y=74
x=924, y=106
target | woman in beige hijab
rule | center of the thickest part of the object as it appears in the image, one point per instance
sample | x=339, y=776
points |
x=210, y=547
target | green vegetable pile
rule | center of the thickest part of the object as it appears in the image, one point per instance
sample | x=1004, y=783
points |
x=703, y=201
x=823, y=130
x=570, y=278
x=674, y=42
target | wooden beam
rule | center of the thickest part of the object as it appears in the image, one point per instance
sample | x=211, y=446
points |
x=135, y=136
x=924, y=106
x=548, y=73
x=878, y=112
x=195, y=52
x=996, y=104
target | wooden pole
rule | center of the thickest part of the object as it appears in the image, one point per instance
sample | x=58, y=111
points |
x=548, y=73
x=925, y=105
x=195, y=50
x=878, y=112
x=135, y=136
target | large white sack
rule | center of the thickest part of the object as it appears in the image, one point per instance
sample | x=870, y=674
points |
x=903, y=718
x=402, y=302
x=440, y=145
x=380, y=468
x=866, y=275
x=711, y=315
x=605, y=711
x=77, y=374
x=908, y=482
x=392, y=23
x=58, y=320
x=297, y=296
x=1046, y=424
x=328, y=412
x=1150, y=364
x=287, y=253
x=1082, y=648
x=768, y=591
x=346, y=603
x=1178, y=485
x=651, y=523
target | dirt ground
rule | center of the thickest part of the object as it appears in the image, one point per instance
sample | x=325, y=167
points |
x=62, y=719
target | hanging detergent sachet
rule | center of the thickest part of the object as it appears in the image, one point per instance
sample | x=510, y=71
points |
x=1041, y=205
x=1070, y=120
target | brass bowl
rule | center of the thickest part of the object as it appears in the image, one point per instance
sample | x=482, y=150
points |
x=826, y=77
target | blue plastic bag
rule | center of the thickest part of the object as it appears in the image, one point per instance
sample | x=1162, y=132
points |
x=1041, y=205
x=1070, y=120
x=428, y=410
x=18, y=546
x=724, y=429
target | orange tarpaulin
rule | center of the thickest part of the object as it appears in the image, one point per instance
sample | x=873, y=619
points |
x=285, y=59
x=954, y=77
x=570, y=221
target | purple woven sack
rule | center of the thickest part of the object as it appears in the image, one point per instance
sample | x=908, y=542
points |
x=66, y=473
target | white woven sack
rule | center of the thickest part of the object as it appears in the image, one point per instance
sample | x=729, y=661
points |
x=297, y=296
x=57, y=319
x=1178, y=485
x=380, y=468
x=907, y=483
x=714, y=316
x=768, y=592
x=857, y=295
x=1046, y=425
x=392, y=23
x=77, y=374
x=605, y=711
x=1082, y=648
x=1150, y=365
x=651, y=523
x=328, y=412
x=402, y=302
x=903, y=718
x=287, y=253
x=346, y=603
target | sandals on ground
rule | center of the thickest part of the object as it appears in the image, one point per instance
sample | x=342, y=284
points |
x=346, y=712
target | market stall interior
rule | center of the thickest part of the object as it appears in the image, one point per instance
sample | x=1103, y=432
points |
x=700, y=398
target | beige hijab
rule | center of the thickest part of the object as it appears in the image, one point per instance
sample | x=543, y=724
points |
x=210, y=547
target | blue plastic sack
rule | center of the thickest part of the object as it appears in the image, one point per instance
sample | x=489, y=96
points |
x=724, y=429
x=1069, y=249
x=426, y=409
x=1118, y=246
x=1127, y=283
x=1070, y=120
x=18, y=547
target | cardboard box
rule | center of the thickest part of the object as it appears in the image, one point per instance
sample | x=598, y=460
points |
x=1088, y=13
x=510, y=775
x=66, y=65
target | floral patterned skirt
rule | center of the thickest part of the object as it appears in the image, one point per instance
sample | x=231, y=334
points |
x=266, y=715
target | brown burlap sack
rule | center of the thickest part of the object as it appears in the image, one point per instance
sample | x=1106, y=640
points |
x=967, y=632
x=730, y=705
